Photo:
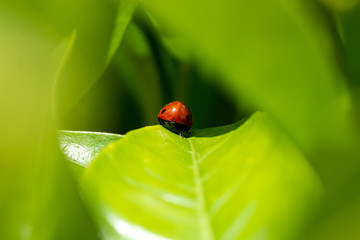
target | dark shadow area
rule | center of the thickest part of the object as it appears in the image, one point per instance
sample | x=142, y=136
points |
x=217, y=131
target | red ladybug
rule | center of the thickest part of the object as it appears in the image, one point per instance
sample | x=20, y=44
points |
x=176, y=117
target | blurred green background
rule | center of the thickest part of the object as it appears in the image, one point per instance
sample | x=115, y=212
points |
x=111, y=65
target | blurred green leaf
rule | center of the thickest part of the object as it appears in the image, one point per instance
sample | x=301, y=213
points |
x=350, y=33
x=340, y=5
x=135, y=65
x=38, y=196
x=341, y=224
x=82, y=147
x=124, y=15
x=100, y=26
x=56, y=210
x=241, y=181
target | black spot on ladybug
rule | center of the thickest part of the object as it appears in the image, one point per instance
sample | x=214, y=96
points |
x=187, y=118
x=163, y=111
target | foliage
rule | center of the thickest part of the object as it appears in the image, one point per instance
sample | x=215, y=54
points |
x=213, y=185
x=109, y=66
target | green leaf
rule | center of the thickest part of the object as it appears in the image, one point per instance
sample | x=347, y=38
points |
x=144, y=85
x=39, y=198
x=123, y=18
x=100, y=26
x=82, y=147
x=350, y=34
x=242, y=181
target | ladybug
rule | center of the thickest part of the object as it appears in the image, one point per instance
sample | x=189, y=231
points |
x=176, y=117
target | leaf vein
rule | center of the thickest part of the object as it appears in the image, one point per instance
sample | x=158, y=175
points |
x=204, y=221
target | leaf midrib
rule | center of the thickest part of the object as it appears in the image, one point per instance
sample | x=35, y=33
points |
x=204, y=221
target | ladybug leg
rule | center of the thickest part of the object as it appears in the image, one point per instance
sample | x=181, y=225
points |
x=181, y=134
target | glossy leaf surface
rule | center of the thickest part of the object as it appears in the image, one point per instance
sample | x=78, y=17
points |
x=82, y=147
x=242, y=181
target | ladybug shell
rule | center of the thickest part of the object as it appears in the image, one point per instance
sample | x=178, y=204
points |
x=176, y=112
